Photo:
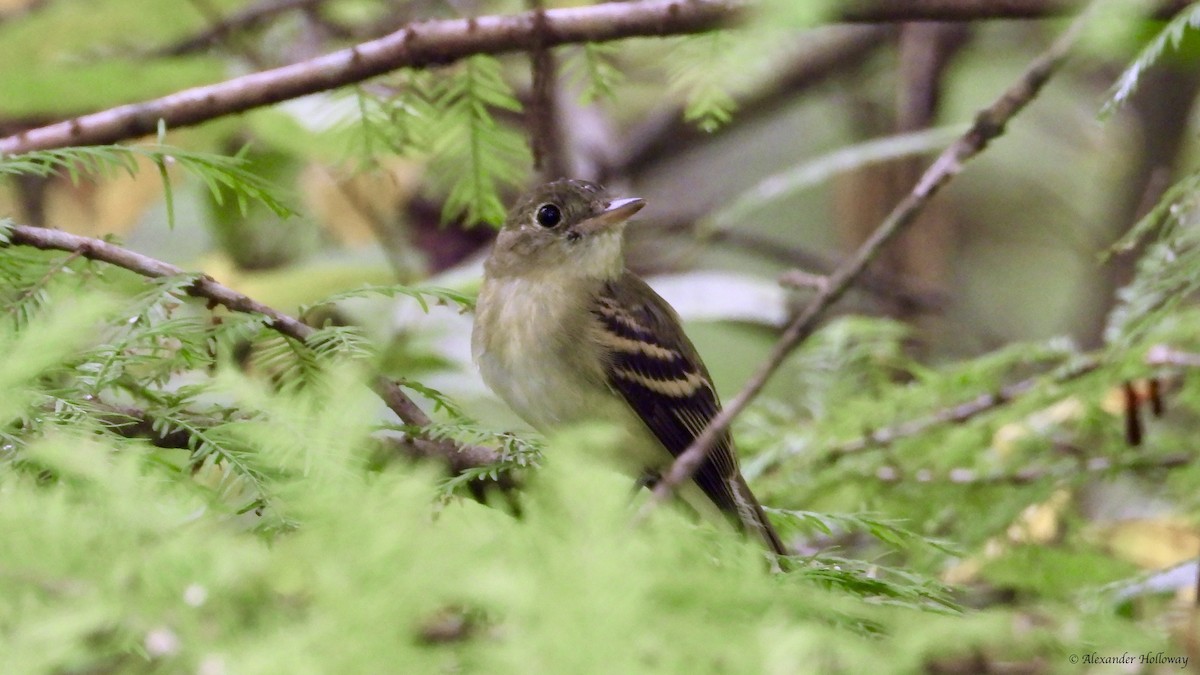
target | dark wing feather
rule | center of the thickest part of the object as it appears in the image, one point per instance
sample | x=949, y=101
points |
x=657, y=370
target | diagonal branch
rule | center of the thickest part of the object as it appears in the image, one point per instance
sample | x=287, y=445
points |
x=989, y=123
x=459, y=457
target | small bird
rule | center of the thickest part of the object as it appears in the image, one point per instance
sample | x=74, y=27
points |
x=565, y=334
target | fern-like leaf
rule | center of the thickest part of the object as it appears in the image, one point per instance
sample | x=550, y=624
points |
x=441, y=296
x=474, y=156
x=221, y=174
x=597, y=72
x=1170, y=36
x=698, y=77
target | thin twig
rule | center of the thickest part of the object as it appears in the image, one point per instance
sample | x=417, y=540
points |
x=133, y=422
x=876, y=11
x=989, y=123
x=964, y=476
x=457, y=456
x=962, y=412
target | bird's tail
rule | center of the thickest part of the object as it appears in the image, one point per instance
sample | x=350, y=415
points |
x=752, y=517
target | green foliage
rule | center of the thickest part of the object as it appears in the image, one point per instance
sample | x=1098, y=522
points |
x=1170, y=36
x=709, y=69
x=399, y=122
x=474, y=156
x=1169, y=270
x=701, y=61
x=272, y=527
x=598, y=72
x=885, y=530
x=118, y=557
x=223, y=175
x=442, y=296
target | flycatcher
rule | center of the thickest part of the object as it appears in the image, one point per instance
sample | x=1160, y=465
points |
x=565, y=334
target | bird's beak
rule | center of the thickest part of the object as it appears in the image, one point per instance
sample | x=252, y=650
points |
x=617, y=212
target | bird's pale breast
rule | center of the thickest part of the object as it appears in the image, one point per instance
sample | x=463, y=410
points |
x=539, y=364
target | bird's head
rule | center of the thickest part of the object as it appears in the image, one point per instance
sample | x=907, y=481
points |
x=567, y=227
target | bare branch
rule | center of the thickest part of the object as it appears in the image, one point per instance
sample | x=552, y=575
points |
x=417, y=45
x=989, y=124
x=458, y=457
x=879, y=11
x=961, y=412
x=963, y=476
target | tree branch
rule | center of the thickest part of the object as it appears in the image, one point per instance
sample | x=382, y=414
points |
x=881, y=11
x=959, y=413
x=417, y=45
x=459, y=457
x=962, y=476
x=989, y=124
x=428, y=43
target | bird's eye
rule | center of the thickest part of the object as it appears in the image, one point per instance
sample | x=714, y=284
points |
x=548, y=215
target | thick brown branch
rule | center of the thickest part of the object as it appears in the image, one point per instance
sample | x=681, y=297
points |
x=459, y=457
x=989, y=123
x=417, y=45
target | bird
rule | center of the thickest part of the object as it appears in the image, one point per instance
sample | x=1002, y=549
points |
x=565, y=334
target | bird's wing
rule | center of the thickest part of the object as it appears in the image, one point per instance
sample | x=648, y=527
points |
x=657, y=370
x=655, y=367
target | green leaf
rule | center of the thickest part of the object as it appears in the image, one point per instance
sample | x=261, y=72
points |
x=474, y=156
x=700, y=66
x=219, y=172
x=1170, y=36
